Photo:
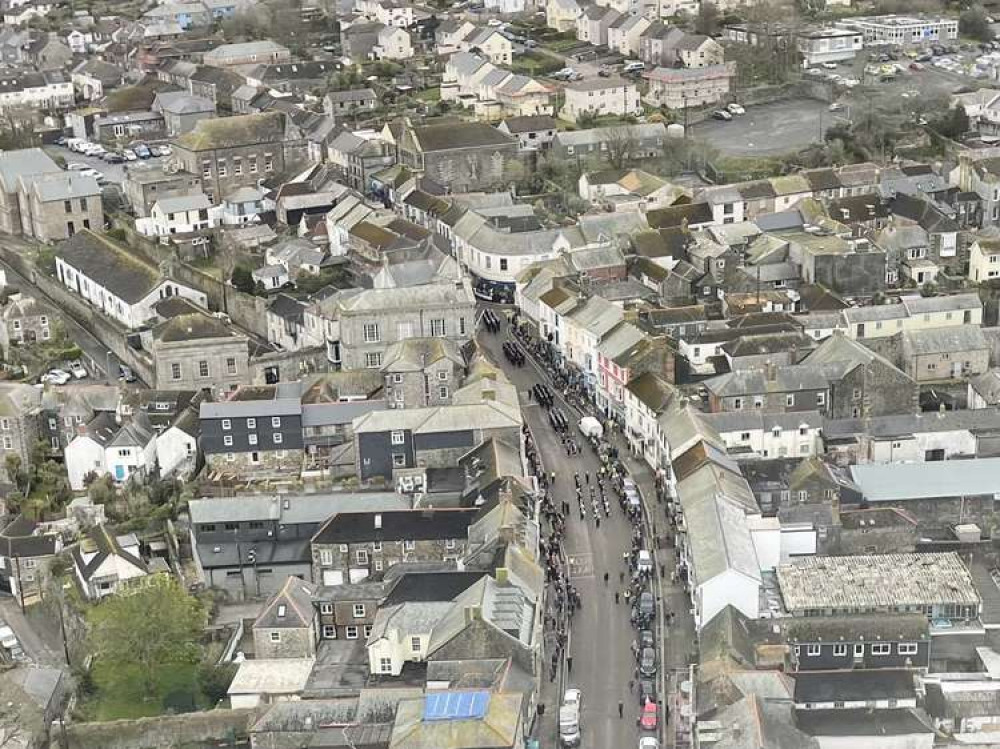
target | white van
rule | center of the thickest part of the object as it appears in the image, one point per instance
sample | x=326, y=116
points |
x=636, y=66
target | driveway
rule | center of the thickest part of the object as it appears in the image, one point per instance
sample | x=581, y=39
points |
x=769, y=129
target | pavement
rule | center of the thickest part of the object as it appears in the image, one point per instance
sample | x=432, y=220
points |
x=42, y=644
x=601, y=631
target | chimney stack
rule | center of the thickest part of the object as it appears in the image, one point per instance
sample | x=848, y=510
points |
x=472, y=613
x=502, y=576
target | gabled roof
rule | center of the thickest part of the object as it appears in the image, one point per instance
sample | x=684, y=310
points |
x=102, y=544
x=232, y=132
x=125, y=275
x=401, y=525
x=291, y=607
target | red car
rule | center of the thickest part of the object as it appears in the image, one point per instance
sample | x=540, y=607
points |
x=648, y=718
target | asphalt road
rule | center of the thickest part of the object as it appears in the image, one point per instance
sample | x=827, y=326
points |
x=601, y=632
x=769, y=129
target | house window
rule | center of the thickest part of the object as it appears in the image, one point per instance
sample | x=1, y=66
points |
x=859, y=650
x=230, y=458
x=175, y=370
x=371, y=332
x=443, y=375
x=881, y=648
x=206, y=169
x=276, y=637
x=376, y=546
x=738, y=404
x=415, y=644
x=789, y=400
x=237, y=167
x=203, y=368
x=222, y=168
x=252, y=162
x=361, y=555
x=326, y=557
x=268, y=163
x=275, y=422
x=5, y=424
x=461, y=325
x=351, y=632
x=277, y=437
x=359, y=611
x=744, y=436
x=442, y=392
x=398, y=437
x=398, y=460
x=68, y=205
x=227, y=424
x=326, y=608
x=814, y=650
x=8, y=443
x=437, y=327
x=329, y=632
x=409, y=545
x=227, y=440
x=373, y=359
x=231, y=365
x=252, y=439
x=449, y=543
x=378, y=565
x=343, y=548
x=251, y=423
x=840, y=651
x=857, y=393
x=385, y=665
x=907, y=648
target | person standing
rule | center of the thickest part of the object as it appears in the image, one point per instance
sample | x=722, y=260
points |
x=621, y=710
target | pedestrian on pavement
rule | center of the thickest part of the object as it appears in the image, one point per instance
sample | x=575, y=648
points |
x=663, y=569
x=621, y=710
x=616, y=596
x=605, y=579
x=631, y=684
x=569, y=664
x=621, y=577
x=587, y=476
x=597, y=519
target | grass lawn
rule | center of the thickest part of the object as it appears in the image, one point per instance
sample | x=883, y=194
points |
x=119, y=692
x=535, y=63
x=430, y=95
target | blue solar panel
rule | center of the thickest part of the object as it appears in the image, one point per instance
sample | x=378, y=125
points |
x=455, y=705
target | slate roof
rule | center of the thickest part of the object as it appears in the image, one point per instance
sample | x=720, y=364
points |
x=106, y=545
x=232, y=132
x=289, y=608
x=863, y=685
x=407, y=525
x=529, y=124
x=119, y=271
x=193, y=326
x=458, y=135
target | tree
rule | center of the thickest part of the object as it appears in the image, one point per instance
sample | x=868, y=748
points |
x=214, y=680
x=621, y=144
x=242, y=279
x=707, y=20
x=147, y=628
x=954, y=122
x=975, y=23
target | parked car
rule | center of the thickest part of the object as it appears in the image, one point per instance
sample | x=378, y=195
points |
x=164, y=150
x=60, y=141
x=57, y=377
x=646, y=639
x=644, y=562
x=113, y=158
x=830, y=65
x=125, y=373
x=647, y=662
x=648, y=720
x=649, y=742
x=646, y=604
x=77, y=167
x=647, y=691
x=735, y=108
x=91, y=172
x=721, y=114
x=77, y=369
x=142, y=151
x=129, y=155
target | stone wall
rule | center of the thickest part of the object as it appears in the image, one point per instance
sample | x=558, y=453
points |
x=292, y=643
x=164, y=732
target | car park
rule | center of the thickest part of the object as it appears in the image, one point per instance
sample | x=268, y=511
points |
x=721, y=114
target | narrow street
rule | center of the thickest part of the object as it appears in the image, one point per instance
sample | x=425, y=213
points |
x=601, y=634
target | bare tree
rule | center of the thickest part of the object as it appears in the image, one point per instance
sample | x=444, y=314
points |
x=622, y=144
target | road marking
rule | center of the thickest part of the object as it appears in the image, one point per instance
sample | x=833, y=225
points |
x=581, y=565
